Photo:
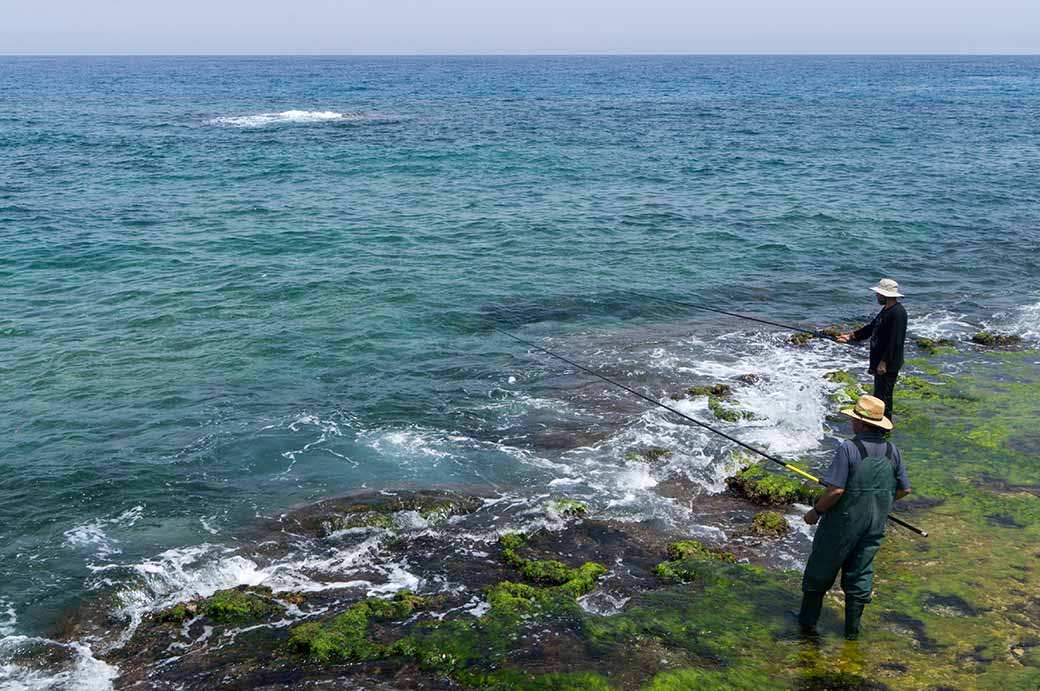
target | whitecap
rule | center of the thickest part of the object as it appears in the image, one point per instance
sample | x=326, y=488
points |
x=286, y=117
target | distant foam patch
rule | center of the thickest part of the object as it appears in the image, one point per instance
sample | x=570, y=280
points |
x=286, y=117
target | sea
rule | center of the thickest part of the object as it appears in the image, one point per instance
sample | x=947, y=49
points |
x=232, y=286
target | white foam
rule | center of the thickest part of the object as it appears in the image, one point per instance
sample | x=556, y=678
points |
x=1023, y=321
x=93, y=534
x=8, y=617
x=285, y=117
x=83, y=672
x=942, y=324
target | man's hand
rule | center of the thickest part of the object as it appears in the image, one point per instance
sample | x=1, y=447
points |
x=811, y=517
x=844, y=338
x=882, y=368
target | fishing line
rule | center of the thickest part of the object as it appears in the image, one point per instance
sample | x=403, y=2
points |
x=763, y=454
x=817, y=334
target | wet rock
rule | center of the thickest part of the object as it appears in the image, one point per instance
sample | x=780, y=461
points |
x=686, y=561
x=767, y=488
x=850, y=390
x=992, y=339
x=654, y=454
x=723, y=412
x=567, y=508
x=750, y=379
x=769, y=524
x=716, y=390
x=931, y=346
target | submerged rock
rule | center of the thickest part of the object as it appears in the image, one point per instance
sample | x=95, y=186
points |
x=567, y=508
x=654, y=454
x=717, y=390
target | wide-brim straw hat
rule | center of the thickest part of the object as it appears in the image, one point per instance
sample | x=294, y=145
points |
x=870, y=410
x=887, y=288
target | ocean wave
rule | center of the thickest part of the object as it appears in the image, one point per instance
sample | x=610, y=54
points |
x=942, y=324
x=1023, y=321
x=287, y=117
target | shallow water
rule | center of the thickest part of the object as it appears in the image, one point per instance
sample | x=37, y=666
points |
x=230, y=286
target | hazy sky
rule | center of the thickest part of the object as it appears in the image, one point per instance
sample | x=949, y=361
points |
x=518, y=26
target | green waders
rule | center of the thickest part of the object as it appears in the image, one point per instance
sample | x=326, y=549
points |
x=847, y=539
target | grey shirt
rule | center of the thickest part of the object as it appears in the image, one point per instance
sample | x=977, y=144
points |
x=847, y=456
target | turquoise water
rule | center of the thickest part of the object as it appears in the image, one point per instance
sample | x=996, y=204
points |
x=229, y=286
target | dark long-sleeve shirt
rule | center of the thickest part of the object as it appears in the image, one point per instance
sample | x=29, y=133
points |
x=887, y=334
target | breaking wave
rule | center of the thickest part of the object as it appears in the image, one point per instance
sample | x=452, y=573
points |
x=287, y=117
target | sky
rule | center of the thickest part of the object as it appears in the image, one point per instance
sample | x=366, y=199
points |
x=112, y=27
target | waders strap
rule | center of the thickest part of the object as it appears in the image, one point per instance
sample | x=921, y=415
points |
x=889, y=453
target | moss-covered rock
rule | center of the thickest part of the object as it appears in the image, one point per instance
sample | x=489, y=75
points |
x=176, y=614
x=567, y=508
x=724, y=412
x=654, y=454
x=344, y=638
x=802, y=338
x=930, y=346
x=767, y=488
x=687, y=561
x=363, y=519
x=240, y=605
x=850, y=390
x=685, y=549
x=770, y=524
x=717, y=390
x=549, y=572
x=990, y=338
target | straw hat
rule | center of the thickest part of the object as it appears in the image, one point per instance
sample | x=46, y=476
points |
x=888, y=288
x=870, y=410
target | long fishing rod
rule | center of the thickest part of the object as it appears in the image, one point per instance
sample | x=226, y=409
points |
x=817, y=334
x=763, y=454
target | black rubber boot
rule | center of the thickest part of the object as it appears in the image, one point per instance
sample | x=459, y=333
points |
x=809, y=614
x=853, y=613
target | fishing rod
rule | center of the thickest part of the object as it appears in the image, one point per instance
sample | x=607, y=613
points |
x=817, y=334
x=763, y=454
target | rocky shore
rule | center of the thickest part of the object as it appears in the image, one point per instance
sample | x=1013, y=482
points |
x=577, y=601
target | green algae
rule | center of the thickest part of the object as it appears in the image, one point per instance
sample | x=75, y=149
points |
x=567, y=508
x=176, y=614
x=770, y=523
x=240, y=605
x=764, y=487
x=363, y=519
x=550, y=572
x=344, y=638
x=850, y=389
x=990, y=338
x=654, y=454
x=956, y=611
x=931, y=346
x=802, y=338
x=726, y=413
x=686, y=561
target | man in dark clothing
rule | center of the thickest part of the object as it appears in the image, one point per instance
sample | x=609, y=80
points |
x=887, y=334
x=866, y=476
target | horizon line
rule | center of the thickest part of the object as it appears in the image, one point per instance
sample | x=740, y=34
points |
x=450, y=54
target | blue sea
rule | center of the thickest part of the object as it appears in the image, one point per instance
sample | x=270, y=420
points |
x=233, y=286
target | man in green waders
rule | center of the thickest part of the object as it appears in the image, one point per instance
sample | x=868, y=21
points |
x=867, y=475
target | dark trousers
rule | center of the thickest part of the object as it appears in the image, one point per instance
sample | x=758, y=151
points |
x=884, y=386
